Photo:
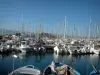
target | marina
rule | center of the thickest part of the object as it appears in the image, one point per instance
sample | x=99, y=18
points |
x=49, y=54
x=49, y=37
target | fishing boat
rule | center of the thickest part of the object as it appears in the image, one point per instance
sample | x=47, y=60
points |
x=26, y=70
x=60, y=69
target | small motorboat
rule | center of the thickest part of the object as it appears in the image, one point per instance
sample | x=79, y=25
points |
x=95, y=71
x=60, y=69
x=26, y=70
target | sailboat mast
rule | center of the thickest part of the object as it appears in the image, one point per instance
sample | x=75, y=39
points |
x=78, y=32
x=74, y=31
x=41, y=30
x=89, y=30
x=37, y=32
x=98, y=30
x=22, y=27
x=2, y=32
x=65, y=28
x=57, y=29
x=95, y=31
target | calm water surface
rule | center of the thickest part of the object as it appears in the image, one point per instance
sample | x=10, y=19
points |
x=80, y=63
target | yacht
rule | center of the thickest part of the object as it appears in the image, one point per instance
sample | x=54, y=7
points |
x=95, y=49
x=24, y=47
x=60, y=49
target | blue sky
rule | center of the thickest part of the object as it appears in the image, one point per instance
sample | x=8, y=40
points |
x=48, y=12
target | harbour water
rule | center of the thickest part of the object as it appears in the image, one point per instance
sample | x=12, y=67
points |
x=82, y=63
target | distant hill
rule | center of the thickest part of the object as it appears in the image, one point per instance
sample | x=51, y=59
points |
x=5, y=31
x=48, y=35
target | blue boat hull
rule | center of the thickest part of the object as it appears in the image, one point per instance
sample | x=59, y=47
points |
x=94, y=73
x=76, y=72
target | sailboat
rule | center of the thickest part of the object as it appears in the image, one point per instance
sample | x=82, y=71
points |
x=60, y=45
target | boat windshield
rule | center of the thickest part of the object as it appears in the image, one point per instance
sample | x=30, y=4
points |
x=23, y=43
x=30, y=66
x=58, y=64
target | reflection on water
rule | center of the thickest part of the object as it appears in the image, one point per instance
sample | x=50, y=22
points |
x=80, y=63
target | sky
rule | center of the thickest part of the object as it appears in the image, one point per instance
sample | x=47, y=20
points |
x=50, y=14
